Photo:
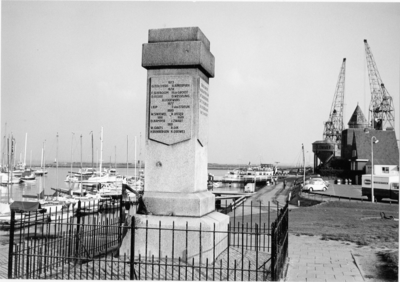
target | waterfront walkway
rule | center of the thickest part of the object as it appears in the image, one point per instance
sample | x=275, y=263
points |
x=312, y=259
x=4, y=262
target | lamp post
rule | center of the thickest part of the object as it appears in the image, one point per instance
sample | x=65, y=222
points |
x=373, y=141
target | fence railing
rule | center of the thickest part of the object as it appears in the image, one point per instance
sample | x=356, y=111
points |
x=280, y=243
x=328, y=197
x=104, y=243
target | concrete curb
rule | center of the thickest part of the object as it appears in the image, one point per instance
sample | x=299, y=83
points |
x=358, y=266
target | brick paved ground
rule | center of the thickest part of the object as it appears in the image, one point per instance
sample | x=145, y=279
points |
x=312, y=259
x=3, y=262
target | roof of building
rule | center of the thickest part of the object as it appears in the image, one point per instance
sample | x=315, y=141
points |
x=386, y=151
x=357, y=119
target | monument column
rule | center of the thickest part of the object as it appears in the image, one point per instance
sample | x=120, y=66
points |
x=179, y=65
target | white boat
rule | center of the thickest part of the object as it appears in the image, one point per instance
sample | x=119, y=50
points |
x=13, y=180
x=84, y=173
x=72, y=178
x=28, y=175
x=234, y=175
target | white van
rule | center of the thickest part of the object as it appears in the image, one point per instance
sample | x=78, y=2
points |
x=385, y=186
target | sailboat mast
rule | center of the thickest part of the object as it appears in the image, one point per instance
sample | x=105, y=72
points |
x=81, y=155
x=41, y=159
x=92, y=152
x=26, y=141
x=127, y=154
x=304, y=166
x=13, y=151
x=9, y=170
x=70, y=173
x=57, y=161
x=44, y=156
x=135, y=160
x=140, y=152
x=101, y=148
x=81, y=166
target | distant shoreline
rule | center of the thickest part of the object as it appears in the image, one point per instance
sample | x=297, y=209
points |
x=131, y=165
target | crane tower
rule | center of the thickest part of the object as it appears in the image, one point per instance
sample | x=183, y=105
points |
x=381, y=110
x=334, y=126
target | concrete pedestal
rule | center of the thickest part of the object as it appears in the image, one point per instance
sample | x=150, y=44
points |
x=187, y=238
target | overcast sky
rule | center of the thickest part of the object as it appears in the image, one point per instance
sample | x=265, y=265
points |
x=76, y=67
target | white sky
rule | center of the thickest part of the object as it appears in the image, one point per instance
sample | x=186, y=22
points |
x=76, y=66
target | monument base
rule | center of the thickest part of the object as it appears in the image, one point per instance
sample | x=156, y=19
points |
x=179, y=204
x=187, y=238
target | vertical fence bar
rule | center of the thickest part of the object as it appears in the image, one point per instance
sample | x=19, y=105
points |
x=179, y=268
x=152, y=267
x=11, y=244
x=242, y=252
x=251, y=222
x=206, y=269
x=200, y=246
x=273, y=252
x=166, y=273
x=28, y=262
x=229, y=245
x=186, y=250
x=214, y=252
x=234, y=225
x=269, y=223
x=132, y=250
x=259, y=222
x=145, y=255
x=78, y=222
x=159, y=248
x=173, y=248
x=256, y=241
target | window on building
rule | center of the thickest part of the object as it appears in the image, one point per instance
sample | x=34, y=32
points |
x=385, y=169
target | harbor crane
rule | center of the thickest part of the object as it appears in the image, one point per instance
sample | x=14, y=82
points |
x=381, y=110
x=334, y=126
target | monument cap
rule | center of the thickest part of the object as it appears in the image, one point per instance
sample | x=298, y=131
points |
x=185, y=47
x=178, y=34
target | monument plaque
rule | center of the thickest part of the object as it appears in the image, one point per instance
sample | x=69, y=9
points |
x=171, y=102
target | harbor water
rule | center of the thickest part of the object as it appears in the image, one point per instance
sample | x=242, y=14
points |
x=56, y=179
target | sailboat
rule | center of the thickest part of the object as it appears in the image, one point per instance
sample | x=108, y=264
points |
x=100, y=176
x=42, y=171
x=28, y=174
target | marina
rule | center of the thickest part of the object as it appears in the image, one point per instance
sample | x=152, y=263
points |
x=160, y=156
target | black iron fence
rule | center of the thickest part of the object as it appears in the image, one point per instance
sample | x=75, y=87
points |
x=104, y=242
x=327, y=197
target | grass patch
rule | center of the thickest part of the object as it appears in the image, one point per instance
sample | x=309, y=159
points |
x=391, y=264
x=347, y=221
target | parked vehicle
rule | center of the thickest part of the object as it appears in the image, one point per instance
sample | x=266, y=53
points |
x=320, y=179
x=315, y=185
x=385, y=186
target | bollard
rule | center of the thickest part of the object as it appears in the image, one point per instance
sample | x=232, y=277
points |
x=298, y=203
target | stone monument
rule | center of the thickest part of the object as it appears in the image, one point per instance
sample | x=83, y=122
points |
x=179, y=65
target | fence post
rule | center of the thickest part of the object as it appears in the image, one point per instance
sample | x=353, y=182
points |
x=273, y=252
x=78, y=222
x=121, y=221
x=11, y=244
x=132, y=250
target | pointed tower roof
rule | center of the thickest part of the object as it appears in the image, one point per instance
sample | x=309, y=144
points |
x=358, y=119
